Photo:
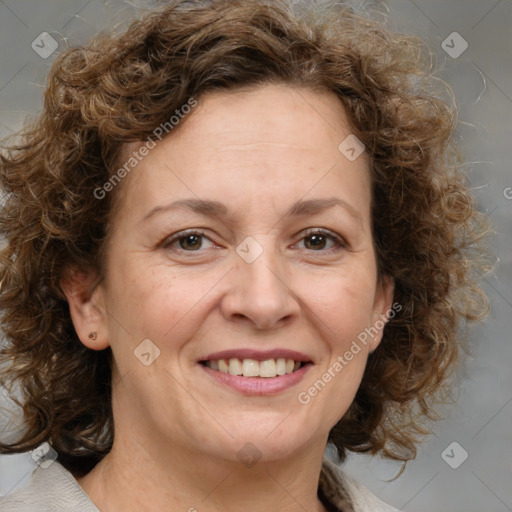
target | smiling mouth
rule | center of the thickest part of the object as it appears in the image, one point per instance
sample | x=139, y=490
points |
x=268, y=368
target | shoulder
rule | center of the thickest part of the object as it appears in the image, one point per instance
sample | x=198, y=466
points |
x=338, y=485
x=51, y=489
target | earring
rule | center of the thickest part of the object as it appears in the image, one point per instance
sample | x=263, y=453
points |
x=92, y=335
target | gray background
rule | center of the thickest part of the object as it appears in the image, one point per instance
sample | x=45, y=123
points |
x=481, y=421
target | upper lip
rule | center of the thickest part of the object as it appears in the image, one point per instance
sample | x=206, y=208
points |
x=258, y=355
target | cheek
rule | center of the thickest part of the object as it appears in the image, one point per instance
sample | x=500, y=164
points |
x=343, y=306
x=341, y=314
x=160, y=303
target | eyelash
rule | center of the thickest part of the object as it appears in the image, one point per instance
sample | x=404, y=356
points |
x=338, y=240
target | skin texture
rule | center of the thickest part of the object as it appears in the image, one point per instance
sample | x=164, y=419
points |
x=177, y=430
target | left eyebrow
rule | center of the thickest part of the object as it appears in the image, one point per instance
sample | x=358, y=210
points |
x=314, y=206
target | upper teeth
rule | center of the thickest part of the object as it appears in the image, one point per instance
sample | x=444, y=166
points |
x=253, y=368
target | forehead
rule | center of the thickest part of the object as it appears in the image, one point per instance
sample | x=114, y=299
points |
x=269, y=144
x=299, y=117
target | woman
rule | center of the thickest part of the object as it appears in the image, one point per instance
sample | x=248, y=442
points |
x=236, y=233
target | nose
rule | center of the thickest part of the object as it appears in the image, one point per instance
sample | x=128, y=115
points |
x=259, y=293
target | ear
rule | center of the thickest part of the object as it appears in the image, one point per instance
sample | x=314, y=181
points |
x=86, y=306
x=383, y=309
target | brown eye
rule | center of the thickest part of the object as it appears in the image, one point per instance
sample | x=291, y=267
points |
x=320, y=240
x=190, y=242
x=315, y=242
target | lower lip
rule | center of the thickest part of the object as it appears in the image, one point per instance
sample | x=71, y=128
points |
x=259, y=386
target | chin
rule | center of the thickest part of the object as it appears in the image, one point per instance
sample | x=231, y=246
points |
x=252, y=443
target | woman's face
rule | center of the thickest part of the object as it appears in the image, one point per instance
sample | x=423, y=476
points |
x=277, y=264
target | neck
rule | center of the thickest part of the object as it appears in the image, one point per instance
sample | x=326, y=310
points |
x=131, y=478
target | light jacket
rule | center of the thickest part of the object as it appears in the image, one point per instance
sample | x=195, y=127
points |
x=54, y=489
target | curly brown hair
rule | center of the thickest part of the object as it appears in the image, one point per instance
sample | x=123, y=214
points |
x=119, y=87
